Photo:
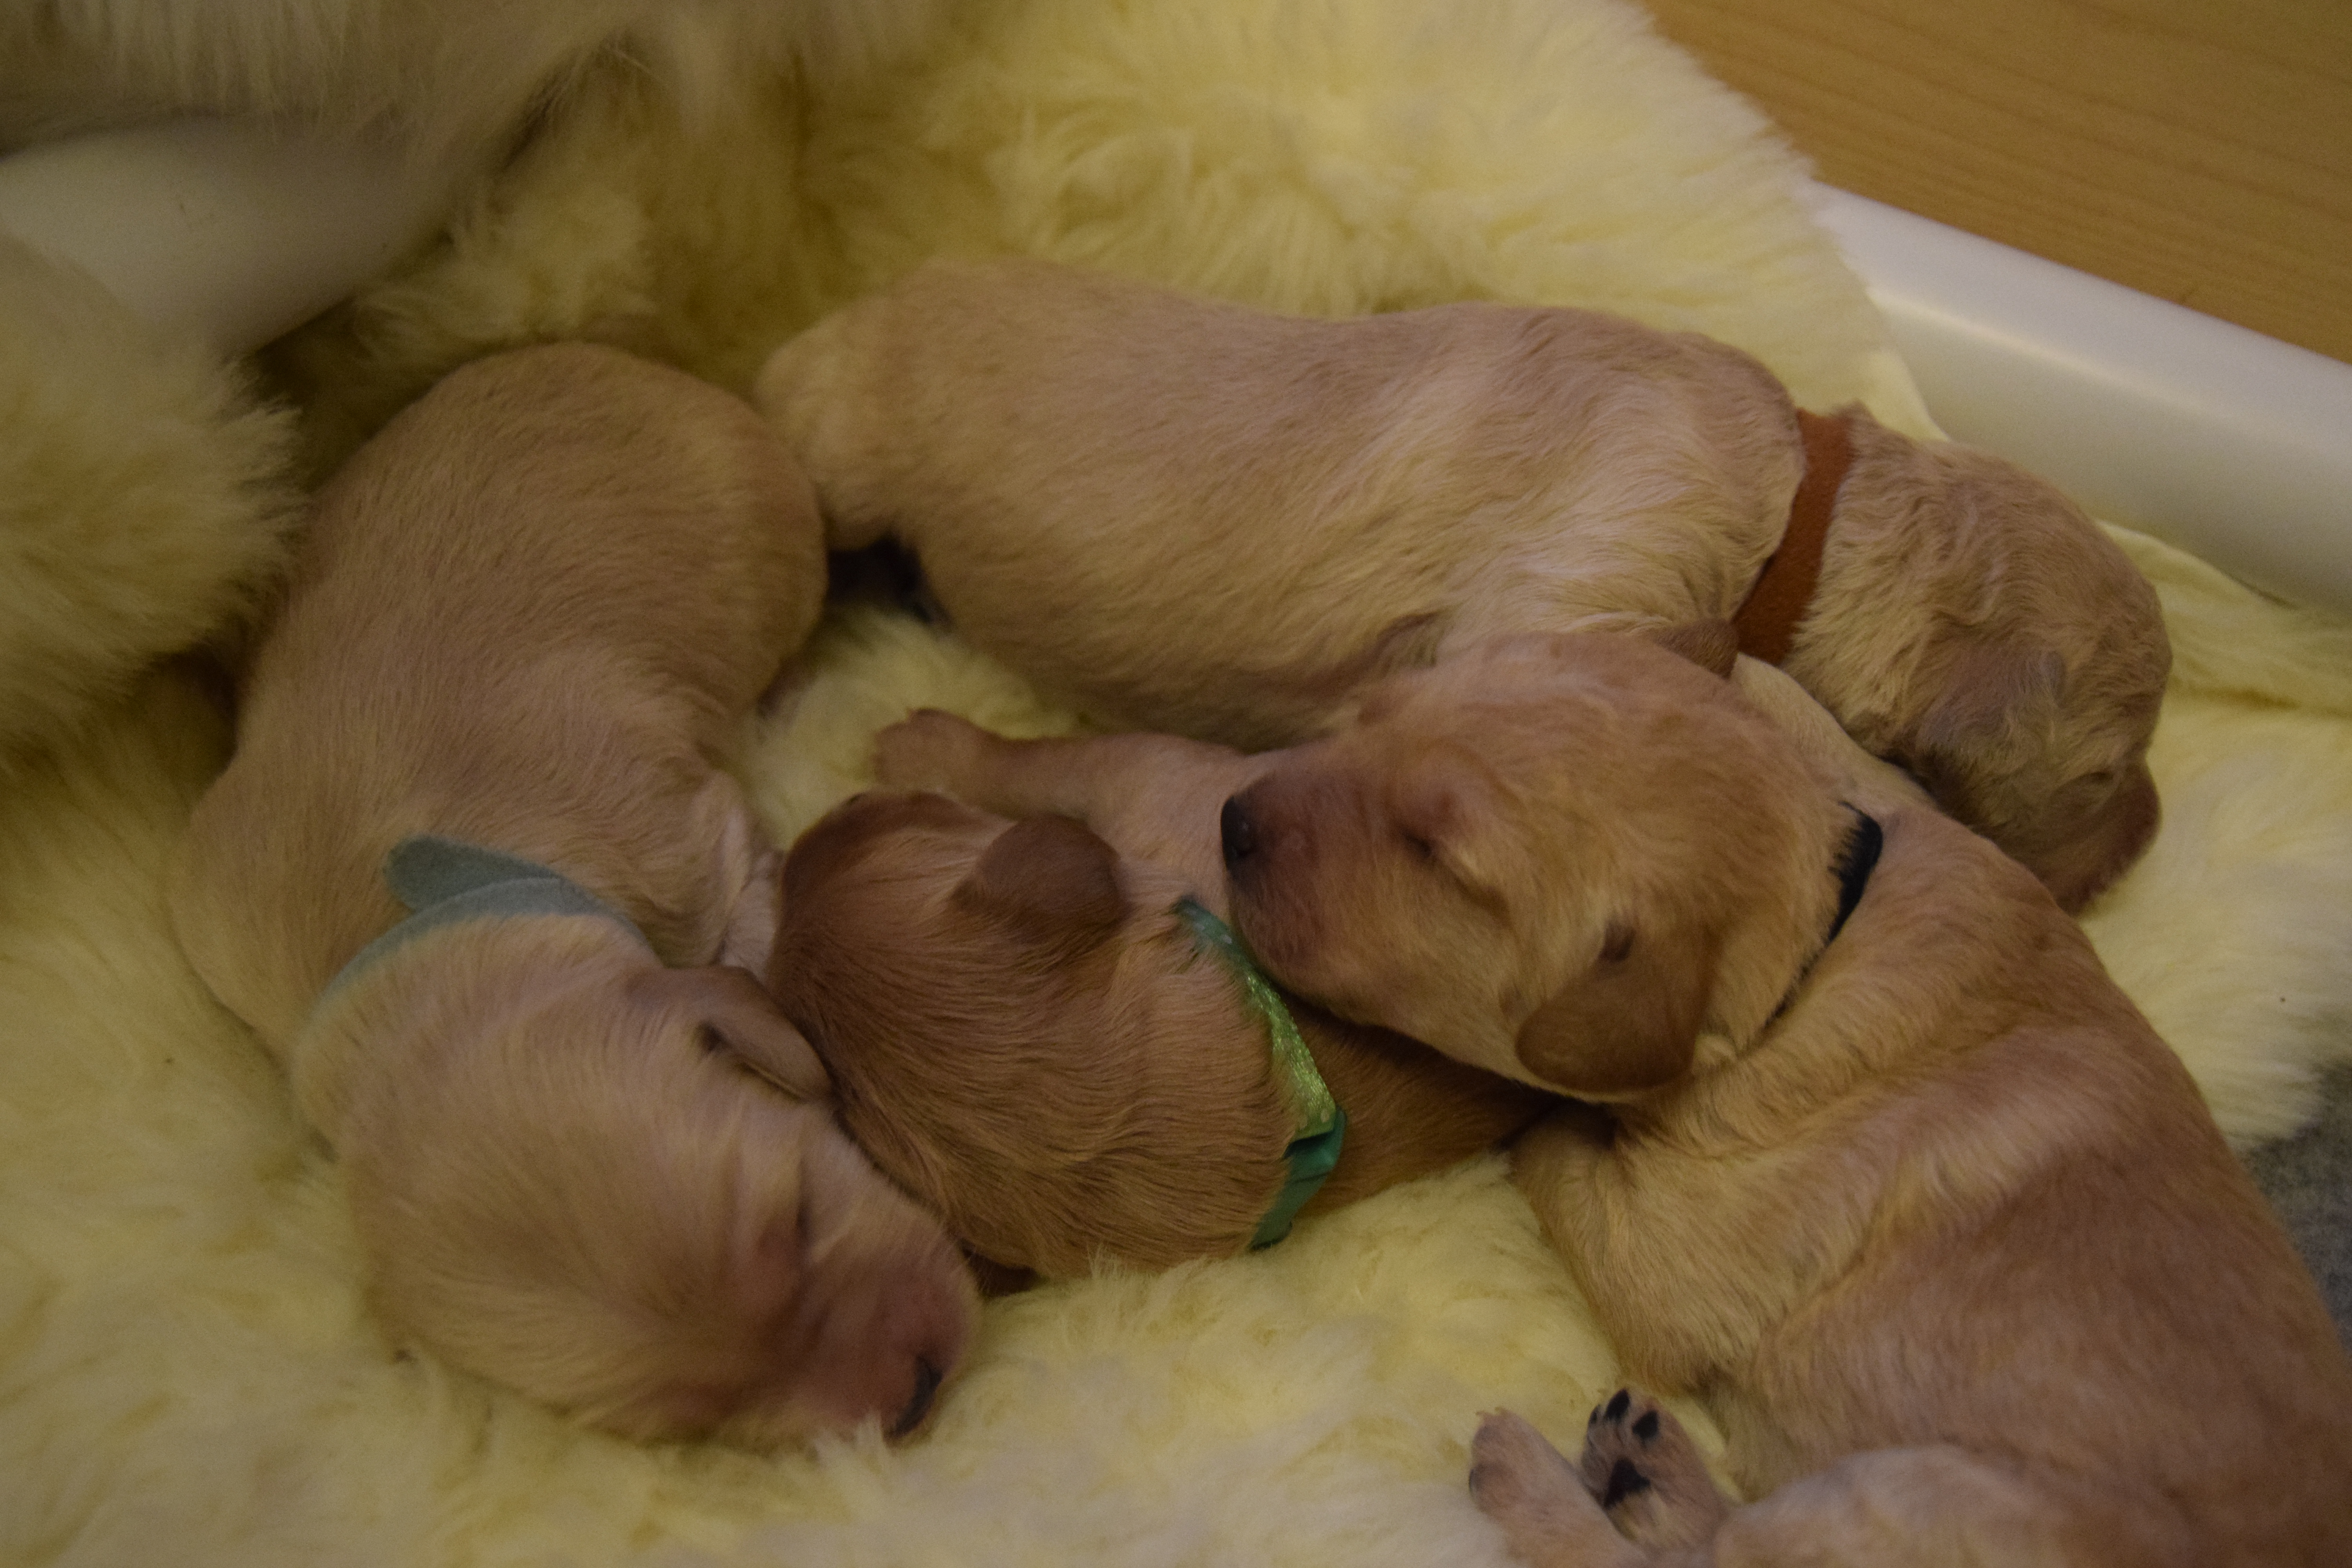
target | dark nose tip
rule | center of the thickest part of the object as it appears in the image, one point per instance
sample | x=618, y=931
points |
x=1239, y=833
x=927, y=1387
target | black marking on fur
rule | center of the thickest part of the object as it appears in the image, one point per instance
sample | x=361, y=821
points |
x=1619, y=1403
x=1855, y=864
x=1647, y=1428
x=1624, y=1481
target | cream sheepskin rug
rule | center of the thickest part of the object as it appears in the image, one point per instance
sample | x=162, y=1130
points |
x=141, y=499
x=186, y=1373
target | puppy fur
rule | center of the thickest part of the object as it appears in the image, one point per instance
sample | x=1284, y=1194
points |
x=1928, y=1216
x=1022, y=1032
x=525, y=615
x=1188, y=516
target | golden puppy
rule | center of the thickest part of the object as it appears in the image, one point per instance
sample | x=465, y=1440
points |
x=1192, y=517
x=1040, y=1035
x=523, y=618
x=1894, y=1180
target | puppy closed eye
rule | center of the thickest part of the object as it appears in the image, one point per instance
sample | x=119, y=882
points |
x=1425, y=848
x=1616, y=943
x=720, y=1050
x=2093, y=784
x=1436, y=812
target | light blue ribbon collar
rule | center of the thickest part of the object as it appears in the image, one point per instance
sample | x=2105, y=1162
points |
x=446, y=881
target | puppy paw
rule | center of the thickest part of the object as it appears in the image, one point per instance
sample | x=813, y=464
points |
x=1529, y=1488
x=928, y=749
x=1642, y=1467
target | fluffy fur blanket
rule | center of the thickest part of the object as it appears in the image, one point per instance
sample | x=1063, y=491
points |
x=187, y=1375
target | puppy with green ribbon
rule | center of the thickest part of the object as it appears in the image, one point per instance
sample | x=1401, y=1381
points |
x=1044, y=1028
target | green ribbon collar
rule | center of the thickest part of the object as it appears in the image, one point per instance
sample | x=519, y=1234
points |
x=1318, y=1123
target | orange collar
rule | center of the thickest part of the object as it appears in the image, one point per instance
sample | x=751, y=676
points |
x=1767, y=622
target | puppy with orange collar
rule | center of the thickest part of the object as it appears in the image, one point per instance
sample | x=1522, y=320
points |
x=1881, y=1167
x=1187, y=516
x=1043, y=1029
x=474, y=877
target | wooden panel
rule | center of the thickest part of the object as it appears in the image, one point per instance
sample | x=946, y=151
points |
x=2197, y=150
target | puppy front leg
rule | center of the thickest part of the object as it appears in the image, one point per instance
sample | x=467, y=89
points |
x=1641, y=1499
x=1153, y=797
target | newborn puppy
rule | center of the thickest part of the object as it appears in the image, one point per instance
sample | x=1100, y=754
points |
x=1037, y=1032
x=1892, y=1178
x=523, y=618
x=1192, y=517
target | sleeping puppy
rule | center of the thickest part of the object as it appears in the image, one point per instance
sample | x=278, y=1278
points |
x=1036, y=1027
x=1192, y=517
x=522, y=620
x=1883, y=1170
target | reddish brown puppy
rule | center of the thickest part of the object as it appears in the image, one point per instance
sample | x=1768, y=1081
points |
x=1033, y=1025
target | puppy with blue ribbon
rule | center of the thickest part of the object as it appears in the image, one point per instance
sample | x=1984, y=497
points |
x=474, y=878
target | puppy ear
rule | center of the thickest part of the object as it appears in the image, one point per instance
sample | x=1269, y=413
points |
x=1990, y=686
x=735, y=1017
x=1712, y=645
x=1995, y=695
x=1051, y=879
x=1628, y=1022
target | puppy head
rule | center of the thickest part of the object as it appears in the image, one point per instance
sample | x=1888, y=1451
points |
x=607, y=1185
x=1021, y=1033
x=1559, y=859
x=2030, y=710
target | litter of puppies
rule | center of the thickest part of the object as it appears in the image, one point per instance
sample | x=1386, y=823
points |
x=1824, y=1098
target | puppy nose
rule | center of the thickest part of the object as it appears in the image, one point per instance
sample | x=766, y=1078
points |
x=927, y=1385
x=1239, y=833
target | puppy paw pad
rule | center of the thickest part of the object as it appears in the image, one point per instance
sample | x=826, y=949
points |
x=1644, y=1469
x=1624, y=1481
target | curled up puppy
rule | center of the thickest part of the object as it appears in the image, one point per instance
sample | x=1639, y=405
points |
x=1041, y=1028
x=1878, y=1164
x=1187, y=516
x=587, y=1157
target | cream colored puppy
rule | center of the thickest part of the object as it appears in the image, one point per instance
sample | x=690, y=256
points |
x=1191, y=517
x=1883, y=1168
x=523, y=617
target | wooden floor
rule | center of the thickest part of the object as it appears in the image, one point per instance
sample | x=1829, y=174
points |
x=2199, y=150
